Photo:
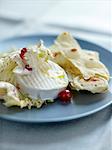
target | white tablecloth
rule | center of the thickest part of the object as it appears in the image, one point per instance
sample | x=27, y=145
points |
x=32, y=17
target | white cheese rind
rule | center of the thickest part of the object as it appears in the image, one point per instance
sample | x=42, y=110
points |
x=40, y=84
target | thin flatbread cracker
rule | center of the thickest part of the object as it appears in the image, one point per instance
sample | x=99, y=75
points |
x=67, y=53
x=94, y=84
x=84, y=68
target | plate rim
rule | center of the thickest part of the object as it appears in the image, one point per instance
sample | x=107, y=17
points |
x=53, y=35
x=73, y=117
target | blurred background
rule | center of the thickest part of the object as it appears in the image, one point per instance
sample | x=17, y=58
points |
x=86, y=19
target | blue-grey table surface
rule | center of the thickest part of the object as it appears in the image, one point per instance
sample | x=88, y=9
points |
x=93, y=132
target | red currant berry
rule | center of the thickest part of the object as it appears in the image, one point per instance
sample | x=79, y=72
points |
x=22, y=56
x=28, y=67
x=24, y=50
x=65, y=96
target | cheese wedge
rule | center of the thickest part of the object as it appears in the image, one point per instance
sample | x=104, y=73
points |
x=45, y=80
x=40, y=84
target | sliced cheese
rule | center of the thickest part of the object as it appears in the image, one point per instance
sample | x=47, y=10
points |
x=45, y=80
x=40, y=84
